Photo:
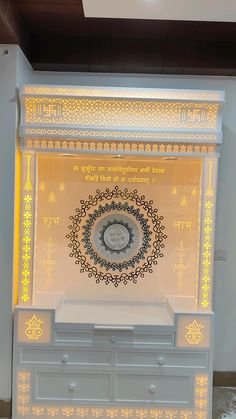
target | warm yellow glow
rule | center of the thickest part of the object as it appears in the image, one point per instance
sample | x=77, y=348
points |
x=123, y=92
x=16, y=257
x=210, y=191
x=207, y=255
x=26, y=245
x=50, y=221
x=181, y=225
x=84, y=145
x=34, y=326
x=24, y=406
x=194, y=333
x=34, y=330
x=102, y=112
x=28, y=184
x=23, y=392
x=26, y=249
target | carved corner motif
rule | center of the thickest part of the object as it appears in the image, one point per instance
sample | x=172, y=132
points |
x=194, y=333
x=34, y=329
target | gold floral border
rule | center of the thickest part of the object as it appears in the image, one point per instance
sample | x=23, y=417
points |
x=109, y=146
x=24, y=406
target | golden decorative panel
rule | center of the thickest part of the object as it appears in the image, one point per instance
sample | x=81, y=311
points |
x=205, y=291
x=119, y=112
x=26, y=230
x=25, y=408
x=34, y=326
x=34, y=329
x=193, y=331
x=124, y=92
x=129, y=135
x=23, y=392
x=122, y=147
x=26, y=249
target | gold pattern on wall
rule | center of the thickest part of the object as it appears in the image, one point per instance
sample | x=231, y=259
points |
x=49, y=262
x=143, y=135
x=50, y=221
x=194, y=333
x=24, y=407
x=26, y=249
x=120, y=112
x=23, y=392
x=28, y=185
x=26, y=231
x=201, y=396
x=181, y=265
x=103, y=146
x=206, y=254
x=123, y=92
x=34, y=329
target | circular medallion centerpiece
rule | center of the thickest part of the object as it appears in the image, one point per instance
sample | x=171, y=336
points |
x=116, y=236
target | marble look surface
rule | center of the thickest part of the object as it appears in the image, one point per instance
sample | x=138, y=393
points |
x=224, y=403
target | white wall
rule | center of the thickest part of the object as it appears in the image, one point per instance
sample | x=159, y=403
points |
x=15, y=71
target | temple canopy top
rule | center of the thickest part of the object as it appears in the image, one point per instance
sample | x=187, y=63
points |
x=118, y=119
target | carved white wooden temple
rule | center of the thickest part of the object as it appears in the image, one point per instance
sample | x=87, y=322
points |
x=114, y=316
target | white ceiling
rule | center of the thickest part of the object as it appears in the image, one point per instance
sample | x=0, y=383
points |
x=208, y=10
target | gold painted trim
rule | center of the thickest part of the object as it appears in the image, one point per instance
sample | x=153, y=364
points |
x=26, y=245
x=124, y=92
x=106, y=112
x=139, y=147
x=24, y=406
x=93, y=134
x=205, y=292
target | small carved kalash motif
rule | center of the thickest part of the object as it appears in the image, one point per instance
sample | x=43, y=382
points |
x=34, y=330
x=194, y=335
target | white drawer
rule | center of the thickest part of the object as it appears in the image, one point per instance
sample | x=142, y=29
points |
x=53, y=385
x=114, y=338
x=174, y=358
x=171, y=389
x=65, y=356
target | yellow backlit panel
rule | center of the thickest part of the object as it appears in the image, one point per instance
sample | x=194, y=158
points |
x=123, y=92
x=90, y=145
x=193, y=332
x=116, y=113
x=34, y=326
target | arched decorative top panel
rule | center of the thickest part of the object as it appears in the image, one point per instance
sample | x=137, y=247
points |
x=120, y=119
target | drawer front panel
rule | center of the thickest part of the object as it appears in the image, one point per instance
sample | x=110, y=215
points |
x=114, y=339
x=153, y=388
x=72, y=386
x=64, y=356
x=169, y=359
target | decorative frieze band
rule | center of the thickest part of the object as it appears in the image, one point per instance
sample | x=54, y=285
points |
x=100, y=113
x=115, y=146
